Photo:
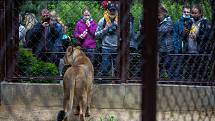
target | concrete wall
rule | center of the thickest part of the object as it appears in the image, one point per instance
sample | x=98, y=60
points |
x=114, y=96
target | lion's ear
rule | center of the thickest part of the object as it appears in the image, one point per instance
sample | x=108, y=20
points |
x=70, y=50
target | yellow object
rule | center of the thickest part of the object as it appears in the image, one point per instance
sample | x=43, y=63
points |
x=193, y=29
x=107, y=18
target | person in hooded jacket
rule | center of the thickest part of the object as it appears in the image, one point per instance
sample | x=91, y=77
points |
x=85, y=33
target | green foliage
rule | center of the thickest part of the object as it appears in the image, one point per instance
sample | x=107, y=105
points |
x=207, y=10
x=137, y=12
x=31, y=66
x=108, y=118
x=174, y=9
x=33, y=6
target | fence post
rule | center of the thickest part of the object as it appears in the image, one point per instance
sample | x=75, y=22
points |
x=150, y=60
x=2, y=43
x=2, y=39
x=124, y=42
x=12, y=38
x=212, y=37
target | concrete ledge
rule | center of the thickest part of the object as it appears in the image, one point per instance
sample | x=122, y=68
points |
x=112, y=96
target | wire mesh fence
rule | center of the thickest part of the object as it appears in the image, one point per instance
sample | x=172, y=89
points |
x=38, y=63
x=174, y=67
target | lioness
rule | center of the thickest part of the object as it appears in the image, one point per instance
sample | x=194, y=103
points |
x=77, y=84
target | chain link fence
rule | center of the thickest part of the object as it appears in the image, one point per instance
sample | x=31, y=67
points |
x=31, y=64
x=188, y=87
x=174, y=67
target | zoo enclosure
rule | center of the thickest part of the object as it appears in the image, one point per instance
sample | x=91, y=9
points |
x=10, y=47
x=182, y=66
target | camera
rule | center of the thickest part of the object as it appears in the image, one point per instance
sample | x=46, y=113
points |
x=47, y=20
x=112, y=29
x=187, y=23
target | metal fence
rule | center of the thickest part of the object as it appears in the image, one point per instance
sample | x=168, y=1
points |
x=180, y=70
x=173, y=67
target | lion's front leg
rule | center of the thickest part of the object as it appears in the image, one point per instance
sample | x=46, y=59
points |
x=62, y=114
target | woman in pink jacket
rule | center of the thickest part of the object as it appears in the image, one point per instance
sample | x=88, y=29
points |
x=85, y=33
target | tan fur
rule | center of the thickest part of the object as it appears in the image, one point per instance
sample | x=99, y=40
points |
x=77, y=81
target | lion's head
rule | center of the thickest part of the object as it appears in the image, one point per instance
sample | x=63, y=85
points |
x=71, y=54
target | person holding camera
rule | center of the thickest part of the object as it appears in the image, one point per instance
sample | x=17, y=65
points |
x=108, y=32
x=44, y=35
x=181, y=30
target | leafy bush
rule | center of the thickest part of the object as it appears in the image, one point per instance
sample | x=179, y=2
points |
x=30, y=66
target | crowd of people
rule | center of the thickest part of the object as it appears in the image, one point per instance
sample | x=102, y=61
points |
x=187, y=35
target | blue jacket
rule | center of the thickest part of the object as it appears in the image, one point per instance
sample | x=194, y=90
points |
x=179, y=36
x=165, y=36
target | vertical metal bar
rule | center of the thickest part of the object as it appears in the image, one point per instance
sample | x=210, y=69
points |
x=124, y=35
x=2, y=38
x=12, y=39
x=8, y=39
x=2, y=43
x=212, y=37
x=150, y=59
x=16, y=10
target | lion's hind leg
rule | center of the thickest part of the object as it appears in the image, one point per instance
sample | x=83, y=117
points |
x=71, y=97
x=83, y=105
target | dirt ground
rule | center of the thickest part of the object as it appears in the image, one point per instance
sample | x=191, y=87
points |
x=36, y=113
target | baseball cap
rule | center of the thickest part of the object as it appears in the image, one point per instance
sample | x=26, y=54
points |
x=112, y=7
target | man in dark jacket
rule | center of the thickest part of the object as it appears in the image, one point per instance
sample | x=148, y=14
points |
x=45, y=35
